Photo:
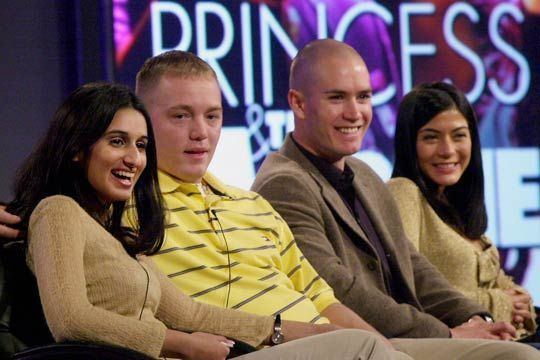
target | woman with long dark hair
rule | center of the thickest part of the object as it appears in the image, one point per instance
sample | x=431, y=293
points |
x=438, y=183
x=95, y=281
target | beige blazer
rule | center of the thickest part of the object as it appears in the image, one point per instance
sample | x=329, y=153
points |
x=334, y=243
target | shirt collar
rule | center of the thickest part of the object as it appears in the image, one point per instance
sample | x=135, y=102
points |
x=169, y=184
x=337, y=178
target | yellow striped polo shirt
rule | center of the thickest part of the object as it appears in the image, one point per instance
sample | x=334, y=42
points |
x=231, y=248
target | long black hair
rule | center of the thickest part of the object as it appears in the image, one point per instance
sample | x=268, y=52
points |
x=50, y=170
x=464, y=207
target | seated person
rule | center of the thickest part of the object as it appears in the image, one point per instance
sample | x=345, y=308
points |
x=182, y=94
x=438, y=183
x=223, y=245
x=346, y=222
x=95, y=281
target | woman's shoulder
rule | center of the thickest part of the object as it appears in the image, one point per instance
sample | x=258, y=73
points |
x=52, y=226
x=56, y=205
x=58, y=201
x=403, y=187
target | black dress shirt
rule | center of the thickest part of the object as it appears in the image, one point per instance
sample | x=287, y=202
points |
x=342, y=182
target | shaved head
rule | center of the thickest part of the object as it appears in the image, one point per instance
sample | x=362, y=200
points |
x=316, y=56
x=330, y=96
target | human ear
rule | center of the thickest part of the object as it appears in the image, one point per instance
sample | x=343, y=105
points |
x=296, y=103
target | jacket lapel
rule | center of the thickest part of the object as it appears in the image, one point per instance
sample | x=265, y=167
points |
x=329, y=194
x=377, y=220
x=398, y=270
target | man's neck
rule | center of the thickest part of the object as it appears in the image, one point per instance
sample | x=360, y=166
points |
x=196, y=182
x=339, y=164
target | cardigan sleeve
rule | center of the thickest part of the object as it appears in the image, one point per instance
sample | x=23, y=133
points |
x=495, y=300
x=178, y=311
x=499, y=303
x=57, y=231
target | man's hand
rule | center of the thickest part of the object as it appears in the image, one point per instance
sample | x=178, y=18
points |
x=521, y=306
x=7, y=219
x=477, y=328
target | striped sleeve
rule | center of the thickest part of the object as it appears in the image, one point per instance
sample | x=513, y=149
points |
x=304, y=277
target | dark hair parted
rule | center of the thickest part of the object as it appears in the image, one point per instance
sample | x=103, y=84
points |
x=51, y=170
x=464, y=207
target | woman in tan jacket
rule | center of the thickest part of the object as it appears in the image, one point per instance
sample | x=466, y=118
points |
x=438, y=184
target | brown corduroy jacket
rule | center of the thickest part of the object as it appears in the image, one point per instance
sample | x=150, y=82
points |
x=334, y=243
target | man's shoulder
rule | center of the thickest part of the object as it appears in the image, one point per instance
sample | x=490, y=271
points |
x=239, y=193
x=255, y=199
x=277, y=162
x=279, y=167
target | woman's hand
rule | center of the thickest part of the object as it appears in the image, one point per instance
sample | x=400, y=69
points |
x=196, y=346
x=521, y=309
x=209, y=347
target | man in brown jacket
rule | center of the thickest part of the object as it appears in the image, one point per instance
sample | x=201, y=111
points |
x=346, y=222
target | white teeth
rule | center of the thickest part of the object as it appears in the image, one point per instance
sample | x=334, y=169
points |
x=125, y=174
x=446, y=166
x=349, y=130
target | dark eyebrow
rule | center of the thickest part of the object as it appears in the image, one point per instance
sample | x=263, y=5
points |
x=182, y=107
x=334, y=91
x=337, y=91
x=428, y=130
x=437, y=131
x=123, y=133
x=190, y=108
x=215, y=108
x=116, y=132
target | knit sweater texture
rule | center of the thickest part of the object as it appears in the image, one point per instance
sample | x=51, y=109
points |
x=92, y=290
x=474, y=271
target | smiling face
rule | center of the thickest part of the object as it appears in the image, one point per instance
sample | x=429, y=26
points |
x=333, y=109
x=118, y=158
x=187, y=117
x=443, y=147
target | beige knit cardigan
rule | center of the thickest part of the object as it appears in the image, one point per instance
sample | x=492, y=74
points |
x=92, y=290
x=476, y=272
